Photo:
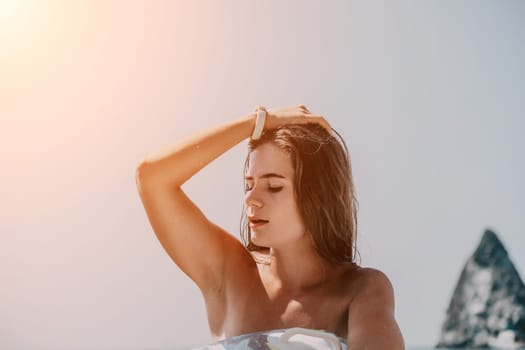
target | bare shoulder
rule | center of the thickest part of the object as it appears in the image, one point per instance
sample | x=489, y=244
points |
x=371, y=315
x=360, y=281
x=367, y=281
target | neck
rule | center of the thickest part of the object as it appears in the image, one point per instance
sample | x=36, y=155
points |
x=296, y=270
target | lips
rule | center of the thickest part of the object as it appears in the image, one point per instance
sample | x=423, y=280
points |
x=255, y=221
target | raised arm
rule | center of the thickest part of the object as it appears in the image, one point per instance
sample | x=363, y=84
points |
x=195, y=244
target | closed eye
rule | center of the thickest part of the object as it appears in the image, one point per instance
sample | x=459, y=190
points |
x=275, y=189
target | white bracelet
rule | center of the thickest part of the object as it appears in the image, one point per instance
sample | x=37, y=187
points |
x=259, y=122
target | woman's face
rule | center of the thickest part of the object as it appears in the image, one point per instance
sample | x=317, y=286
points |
x=271, y=208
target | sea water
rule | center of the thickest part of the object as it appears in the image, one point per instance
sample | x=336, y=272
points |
x=432, y=348
x=419, y=348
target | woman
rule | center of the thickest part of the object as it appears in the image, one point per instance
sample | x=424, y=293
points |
x=296, y=267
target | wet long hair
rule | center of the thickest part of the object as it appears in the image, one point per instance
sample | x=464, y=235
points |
x=323, y=189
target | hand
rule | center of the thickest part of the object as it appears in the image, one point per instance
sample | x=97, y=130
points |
x=277, y=117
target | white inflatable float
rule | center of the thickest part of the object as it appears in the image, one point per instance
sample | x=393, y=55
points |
x=281, y=339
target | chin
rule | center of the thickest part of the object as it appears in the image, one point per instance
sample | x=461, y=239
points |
x=259, y=241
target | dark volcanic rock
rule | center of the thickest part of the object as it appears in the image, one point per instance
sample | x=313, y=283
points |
x=488, y=304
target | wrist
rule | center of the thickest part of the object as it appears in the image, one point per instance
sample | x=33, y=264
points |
x=259, y=123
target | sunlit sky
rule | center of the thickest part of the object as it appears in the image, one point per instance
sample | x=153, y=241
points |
x=429, y=96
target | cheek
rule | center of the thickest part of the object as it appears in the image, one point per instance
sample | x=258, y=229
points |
x=290, y=211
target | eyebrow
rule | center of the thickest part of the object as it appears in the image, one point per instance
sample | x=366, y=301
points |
x=266, y=176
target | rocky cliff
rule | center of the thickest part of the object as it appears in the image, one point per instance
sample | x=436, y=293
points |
x=488, y=305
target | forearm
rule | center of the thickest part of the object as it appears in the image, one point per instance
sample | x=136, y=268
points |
x=177, y=163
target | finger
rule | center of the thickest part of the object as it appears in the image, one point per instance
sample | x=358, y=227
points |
x=326, y=125
x=319, y=119
x=301, y=119
x=306, y=118
x=314, y=118
x=304, y=109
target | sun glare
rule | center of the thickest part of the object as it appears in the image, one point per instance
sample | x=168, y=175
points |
x=8, y=11
x=14, y=19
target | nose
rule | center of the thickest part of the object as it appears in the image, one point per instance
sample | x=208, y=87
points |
x=252, y=199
